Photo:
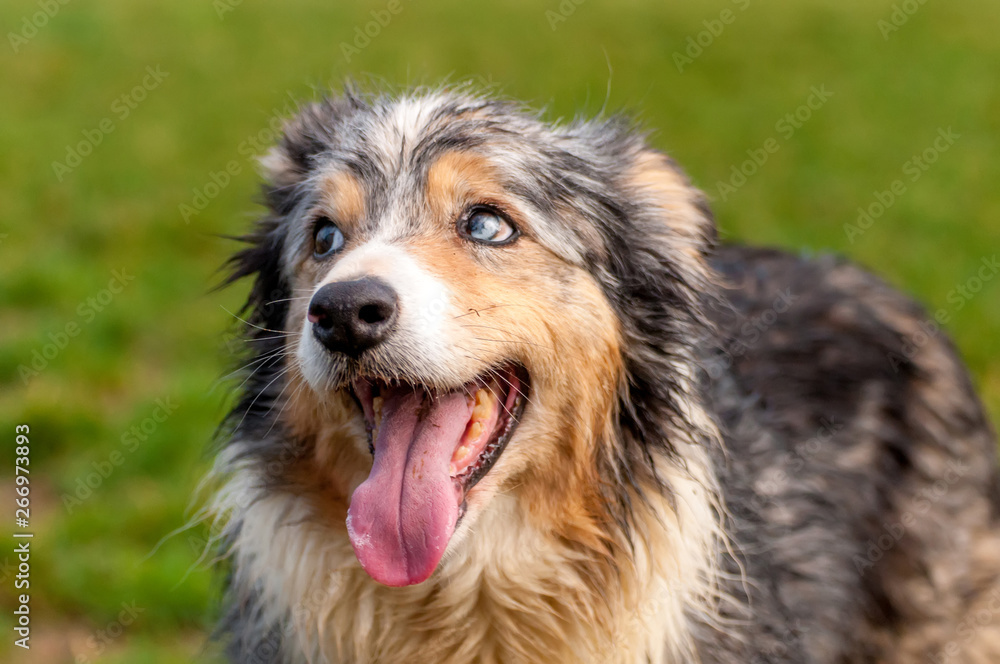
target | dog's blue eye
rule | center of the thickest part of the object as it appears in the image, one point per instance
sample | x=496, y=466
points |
x=486, y=226
x=327, y=238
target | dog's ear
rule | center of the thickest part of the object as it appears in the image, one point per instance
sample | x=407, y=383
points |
x=658, y=280
x=314, y=130
x=304, y=137
x=670, y=204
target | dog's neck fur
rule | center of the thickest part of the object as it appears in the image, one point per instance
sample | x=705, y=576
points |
x=506, y=593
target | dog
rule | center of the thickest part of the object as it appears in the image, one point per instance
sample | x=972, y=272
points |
x=509, y=400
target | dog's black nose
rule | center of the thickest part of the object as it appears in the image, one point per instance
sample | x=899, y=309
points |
x=352, y=316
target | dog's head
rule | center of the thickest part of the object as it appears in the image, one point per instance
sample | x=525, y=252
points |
x=469, y=301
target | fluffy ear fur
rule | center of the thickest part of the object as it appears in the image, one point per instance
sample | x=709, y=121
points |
x=662, y=224
x=317, y=128
x=305, y=137
x=658, y=185
x=660, y=292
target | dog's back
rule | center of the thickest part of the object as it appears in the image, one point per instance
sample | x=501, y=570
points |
x=860, y=469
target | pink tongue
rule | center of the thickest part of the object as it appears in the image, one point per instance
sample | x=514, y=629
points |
x=403, y=515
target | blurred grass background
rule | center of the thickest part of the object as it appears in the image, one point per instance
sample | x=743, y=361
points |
x=231, y=66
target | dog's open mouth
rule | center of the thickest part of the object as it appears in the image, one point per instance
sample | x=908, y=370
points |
x=430, y=447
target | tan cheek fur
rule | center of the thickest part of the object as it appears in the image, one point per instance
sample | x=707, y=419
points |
x=551, y=318
x=566, y=336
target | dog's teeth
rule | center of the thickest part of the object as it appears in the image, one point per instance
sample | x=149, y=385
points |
x=484, y=405
x=458, y=457
x=465, y=449
x=475, y=431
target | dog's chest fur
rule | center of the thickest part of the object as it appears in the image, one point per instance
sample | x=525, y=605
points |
x=512, y=595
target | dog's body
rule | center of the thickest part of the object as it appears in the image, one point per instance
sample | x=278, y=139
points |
x=691, y=454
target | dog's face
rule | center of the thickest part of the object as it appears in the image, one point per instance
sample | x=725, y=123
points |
x=448, y=264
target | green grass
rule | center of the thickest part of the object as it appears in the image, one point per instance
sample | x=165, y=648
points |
x=161, y=336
